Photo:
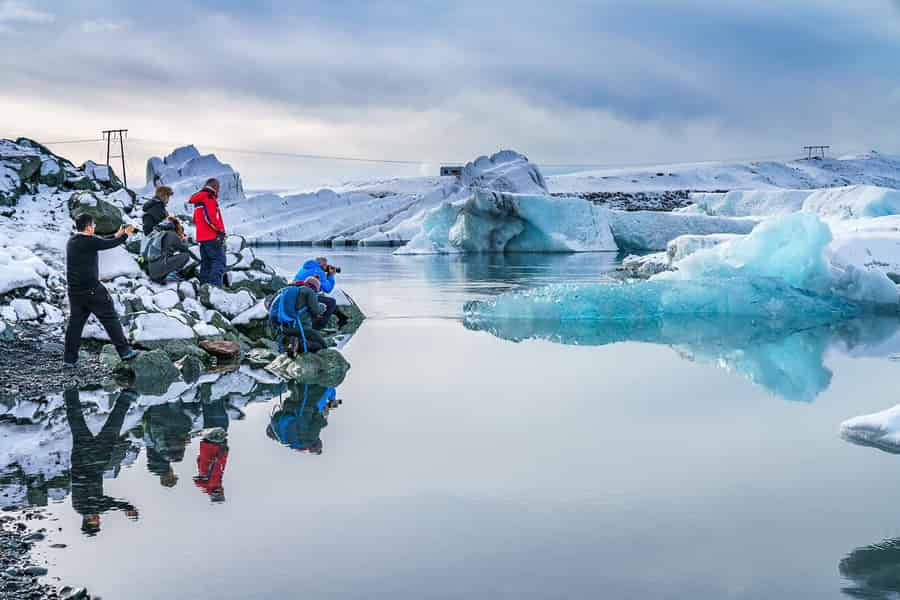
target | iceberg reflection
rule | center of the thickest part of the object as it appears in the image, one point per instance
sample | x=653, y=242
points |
x=785, y=358
x=872, y=571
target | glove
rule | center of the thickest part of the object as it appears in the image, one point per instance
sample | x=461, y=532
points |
x=220, y=236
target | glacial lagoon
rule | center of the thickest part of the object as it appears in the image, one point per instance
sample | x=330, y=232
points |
x=683, y=458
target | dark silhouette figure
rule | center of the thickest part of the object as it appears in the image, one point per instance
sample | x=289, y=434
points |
x=91, y=455
x=167, y=432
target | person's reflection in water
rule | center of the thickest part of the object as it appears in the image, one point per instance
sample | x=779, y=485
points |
x=167, y=431
x=215, y=412
x=298, y=421
x=874, y=571
x=90, y=456
x=211, y=461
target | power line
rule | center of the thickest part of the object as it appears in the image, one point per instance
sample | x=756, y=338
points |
x=372, y=160
x=72, y=141
x=295, y=154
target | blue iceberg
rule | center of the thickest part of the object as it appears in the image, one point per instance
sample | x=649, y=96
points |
x=779, y=271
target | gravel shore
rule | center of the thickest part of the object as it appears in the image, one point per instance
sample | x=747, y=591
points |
x=31, y=366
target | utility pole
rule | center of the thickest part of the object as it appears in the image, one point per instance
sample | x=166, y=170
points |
x=111, y=136
x=815, y=151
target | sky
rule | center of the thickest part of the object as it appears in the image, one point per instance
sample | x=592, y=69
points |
x=563, y=82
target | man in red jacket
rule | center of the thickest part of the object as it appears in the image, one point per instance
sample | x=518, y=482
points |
x=209, y=233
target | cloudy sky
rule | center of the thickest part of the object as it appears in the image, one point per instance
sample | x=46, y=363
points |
x=566, y=81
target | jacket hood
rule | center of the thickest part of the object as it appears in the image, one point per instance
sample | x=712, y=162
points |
x=311, y=264
x=206, y=191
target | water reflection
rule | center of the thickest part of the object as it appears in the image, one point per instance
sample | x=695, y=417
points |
x=50, y=450
x=299, y=417
x=787, y=361
x=92, y=455
x=211, y=461
x=872, y=571
x=166, y=434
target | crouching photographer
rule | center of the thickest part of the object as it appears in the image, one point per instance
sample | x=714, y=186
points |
x=326, y=274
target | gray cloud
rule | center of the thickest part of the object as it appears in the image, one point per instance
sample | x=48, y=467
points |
x=592, y=81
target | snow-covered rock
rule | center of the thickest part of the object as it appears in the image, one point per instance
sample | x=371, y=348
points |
x=166, y=300
x=25, y=310
x=256, y=313
x=118, y=262
x=20, y=268
x=230, y=304
x=160, y=326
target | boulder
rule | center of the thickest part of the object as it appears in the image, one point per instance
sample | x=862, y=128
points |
x=327, y=367
x=228, y=303
x=261, y=357
x=153, y=372
x=178, y=349
x=6, y=332
x=222, y=348
x=107, y=217
x=156, y=327
x=109, y=358
x=191, y=368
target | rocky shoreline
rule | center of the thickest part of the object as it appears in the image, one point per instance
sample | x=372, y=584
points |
x=19, y=572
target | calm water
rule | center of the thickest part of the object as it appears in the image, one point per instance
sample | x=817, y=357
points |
x=702, y=461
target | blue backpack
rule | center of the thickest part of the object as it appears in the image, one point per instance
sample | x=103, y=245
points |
x=282, y=314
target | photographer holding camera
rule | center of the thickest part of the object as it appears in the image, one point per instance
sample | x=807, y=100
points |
x=325, y=273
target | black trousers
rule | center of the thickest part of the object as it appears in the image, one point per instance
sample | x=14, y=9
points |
x=330, y=306
x=314, y=340
x=81, y=306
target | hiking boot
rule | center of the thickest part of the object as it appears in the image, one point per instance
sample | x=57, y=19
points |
x=173, y=278
x=130, y=355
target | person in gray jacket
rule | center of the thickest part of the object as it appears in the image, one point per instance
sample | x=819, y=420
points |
x=174, y=254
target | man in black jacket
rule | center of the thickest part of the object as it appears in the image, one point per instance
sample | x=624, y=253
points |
x=87, y=295
x=155, y=209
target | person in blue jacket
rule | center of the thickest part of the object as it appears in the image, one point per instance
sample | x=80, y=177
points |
x=325, y=273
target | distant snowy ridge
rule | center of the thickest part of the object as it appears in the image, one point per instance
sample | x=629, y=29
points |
x=870, y=168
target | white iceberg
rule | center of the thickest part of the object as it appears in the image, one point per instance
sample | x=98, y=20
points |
x=185, y=170
x=501, y=222
x=880, y=430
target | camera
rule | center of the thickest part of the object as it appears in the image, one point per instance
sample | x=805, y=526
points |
x=334, y=269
